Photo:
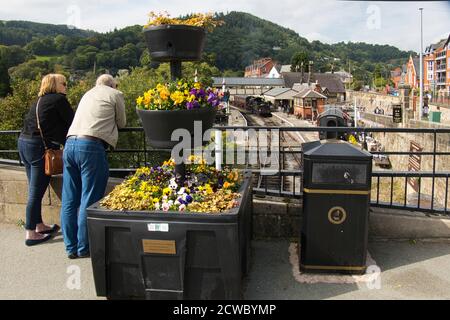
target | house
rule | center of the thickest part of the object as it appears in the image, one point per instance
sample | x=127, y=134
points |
x=396, y=76
x=412, y=72
x=259, y=68
x=308, y=103
x=345, y=76
x=331, y=84
x=285, y=68
x=436, y=58
x=275, y=72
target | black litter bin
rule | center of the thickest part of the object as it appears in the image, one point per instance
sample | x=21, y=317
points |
x=171, y=255
x=336, y=196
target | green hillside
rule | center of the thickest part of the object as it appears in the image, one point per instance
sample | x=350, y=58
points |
x=28, y=49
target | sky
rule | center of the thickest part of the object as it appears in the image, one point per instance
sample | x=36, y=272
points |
x=330, y=21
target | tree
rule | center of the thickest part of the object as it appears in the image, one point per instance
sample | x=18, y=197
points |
x=30, y=70
x=9, y=56
x=300, y=59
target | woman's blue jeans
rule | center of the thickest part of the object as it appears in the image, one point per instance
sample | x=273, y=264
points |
x=85, y=176
x=31, y=151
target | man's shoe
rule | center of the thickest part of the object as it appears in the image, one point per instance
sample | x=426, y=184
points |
x=84, y=255
x=33, y=242
x=72, y=256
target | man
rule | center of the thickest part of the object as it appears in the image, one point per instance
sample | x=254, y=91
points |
x=100, y=113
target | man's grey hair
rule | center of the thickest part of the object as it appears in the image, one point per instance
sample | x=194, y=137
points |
x=106, y=80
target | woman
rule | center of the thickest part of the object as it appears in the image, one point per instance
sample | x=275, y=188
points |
x=55, y=117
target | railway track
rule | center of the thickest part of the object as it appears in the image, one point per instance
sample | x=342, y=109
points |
x=270, y=177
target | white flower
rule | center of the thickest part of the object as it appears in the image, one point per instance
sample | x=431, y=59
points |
x=165, y=207
x=182, y=207
x=182, y=190
x=157, y=206
x=173, y=185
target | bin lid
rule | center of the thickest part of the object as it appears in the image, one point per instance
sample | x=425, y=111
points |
x=333, y=112
x=333, y=148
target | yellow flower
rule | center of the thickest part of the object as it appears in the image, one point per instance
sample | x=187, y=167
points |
x=170, y=162
x=208, y=189
x=147, y=97
x=155, y=200
x=167, y=191
x=227, y=185
x=197, y=85
x=139, y=100
x=142, y=170
x=177, y=97
x=164, y=94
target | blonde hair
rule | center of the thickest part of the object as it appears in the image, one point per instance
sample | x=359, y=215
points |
x=50, y=82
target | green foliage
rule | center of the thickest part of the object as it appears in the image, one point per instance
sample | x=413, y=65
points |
x=298, y=60
x=76, y=89
x=9, y=57
x=14, y=106
x=230, y=47
x=30, y=70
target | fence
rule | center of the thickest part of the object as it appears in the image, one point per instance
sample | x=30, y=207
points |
x=390, y=188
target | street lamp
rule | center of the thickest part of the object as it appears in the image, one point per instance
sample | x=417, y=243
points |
x=421, y=67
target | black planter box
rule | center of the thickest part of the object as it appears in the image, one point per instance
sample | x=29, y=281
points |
x=159, y=124
x=171, y=255
x=175, y=42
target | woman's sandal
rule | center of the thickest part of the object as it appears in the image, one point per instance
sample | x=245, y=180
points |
x=55, y=228
x=33, y=242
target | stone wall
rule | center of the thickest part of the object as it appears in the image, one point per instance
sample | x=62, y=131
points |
x=14, y=193
x=370, y=100
x=272, y=217
x=402, y=142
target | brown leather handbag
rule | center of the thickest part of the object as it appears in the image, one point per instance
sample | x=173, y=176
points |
x=53, y=158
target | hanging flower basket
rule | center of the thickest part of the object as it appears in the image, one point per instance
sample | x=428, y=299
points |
x=159, y=125
x=176, y=105
x=175, y=42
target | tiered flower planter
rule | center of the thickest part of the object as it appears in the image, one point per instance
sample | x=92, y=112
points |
x=171, y=254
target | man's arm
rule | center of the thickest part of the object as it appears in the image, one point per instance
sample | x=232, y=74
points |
x=121, y=118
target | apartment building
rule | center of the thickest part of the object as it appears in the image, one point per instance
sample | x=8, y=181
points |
x=437, y=67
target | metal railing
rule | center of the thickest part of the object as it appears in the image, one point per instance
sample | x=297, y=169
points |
x=390, y=188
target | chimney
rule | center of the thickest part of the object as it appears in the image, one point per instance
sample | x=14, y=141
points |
x=310, y=69
x=317, y=87
x=301, y=70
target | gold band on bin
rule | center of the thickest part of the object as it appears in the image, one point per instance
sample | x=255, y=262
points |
x=346, y=268
x=333, y=191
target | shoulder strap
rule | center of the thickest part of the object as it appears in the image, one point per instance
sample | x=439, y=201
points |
x=38, y=123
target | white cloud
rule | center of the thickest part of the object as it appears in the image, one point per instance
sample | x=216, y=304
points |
x=328, y=20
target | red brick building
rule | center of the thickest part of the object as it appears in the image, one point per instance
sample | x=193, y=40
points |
x=412, y=72
x=259, y=68
x=308, y=104
x=396, y=76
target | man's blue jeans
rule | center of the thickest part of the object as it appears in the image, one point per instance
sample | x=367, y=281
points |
x=85, y=177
